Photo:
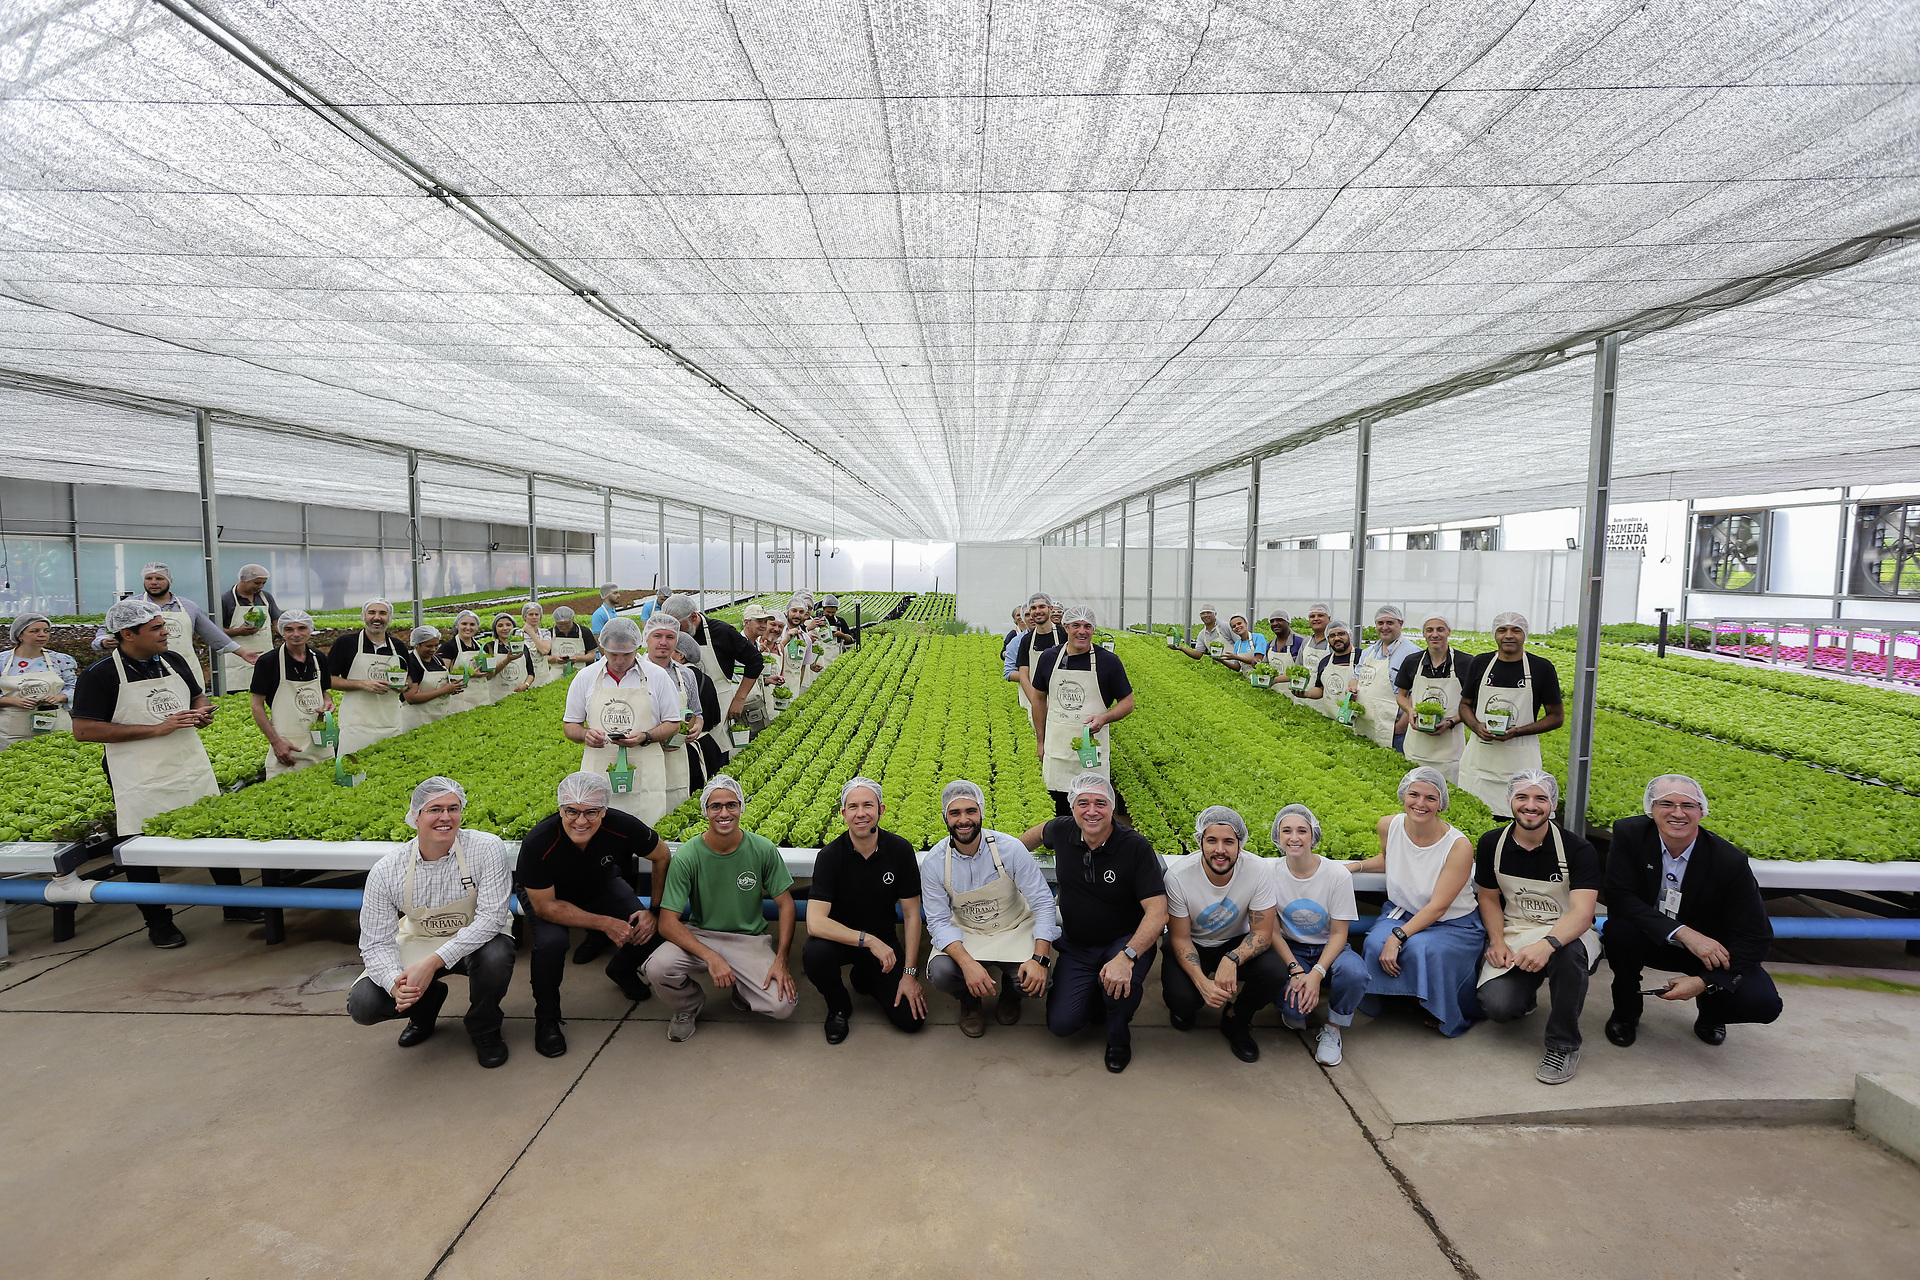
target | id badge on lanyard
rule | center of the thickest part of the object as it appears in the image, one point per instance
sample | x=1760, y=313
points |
x=1670, y=899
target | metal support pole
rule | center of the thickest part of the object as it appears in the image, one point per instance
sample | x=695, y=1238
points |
x=1193, y=517
x=1840, y=548
x=1121, y=624
x=733, y=586
x=700, y=536
x=893, y=566
x=606, y=534
x=73, y=522
x=756, y=557
x=1593, y=573
x=306, y=552
x=416, y=543
x=1253, y=536
x=209, y=538
x=1150, y=549
x=533, y=547
x=1362, y=476
x=1686, y=586
x=663, y=546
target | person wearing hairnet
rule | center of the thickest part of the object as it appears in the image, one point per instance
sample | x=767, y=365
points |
x=289, y=692
x=539, y=642
x=434, y=906
x=431, y=687
x=1010, y=652
x=992, y=910
x=1078, y=689
x=509, y=662
x=1314, y=910
x=862, y=877
x=1212, y=640
x=839, y=634
x=651, y=605
x=369, y=672
x=732, y=660
x=624, y=701
x=609, y=607
x=1246, y=647
x=1508, y=698
x=1285, y=645
x=1429, y=939
x=1332, y=676
x=571, y=647
x=704, y=756
x=144, y=703
x=36, y=683
x=465, y=653
x=1539, y=886
x=1113, y=905
x=800, y=645
x=1219, y=944
x=1684, y=900
x=253, y=619
x=662, y=640
x=1432, y=679
x=1042, y=635
x=577, y=869
x=712, y=919
x=1375, y=668
x=184, y=618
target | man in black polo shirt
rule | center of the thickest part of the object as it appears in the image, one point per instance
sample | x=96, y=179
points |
x=1077, y=689
x=574, y=867
x=858, y=879
x=1113, y=905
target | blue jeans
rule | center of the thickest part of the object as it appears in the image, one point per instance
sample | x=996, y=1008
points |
x=1340, y=991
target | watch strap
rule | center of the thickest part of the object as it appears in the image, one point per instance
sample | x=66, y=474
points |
x=1399, y=933
x=1045, y=962
x=1552, y=942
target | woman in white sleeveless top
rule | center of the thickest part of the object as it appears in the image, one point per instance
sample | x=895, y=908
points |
x=1429, y=939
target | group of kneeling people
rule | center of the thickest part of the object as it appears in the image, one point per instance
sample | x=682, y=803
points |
x=1468, y=932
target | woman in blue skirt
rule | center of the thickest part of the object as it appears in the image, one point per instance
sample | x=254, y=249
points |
x=1429, y=939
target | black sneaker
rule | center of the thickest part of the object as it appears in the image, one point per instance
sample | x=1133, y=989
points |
x=592, y=946
x=491, y=1050
x=836, y=1027
x=548, y=1040
x=1179, y=1023
x=416, y=1032
x=1240, y=1039
x=166, y=936
x=243, y=915
x=631, y=984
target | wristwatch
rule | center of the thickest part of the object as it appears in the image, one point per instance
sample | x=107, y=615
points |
x=1294, y=969
x=1400, y=933
x=1130, y=953
x=1045, y=962
x=911, y=972
x=1232, y=957
x=1553, y=942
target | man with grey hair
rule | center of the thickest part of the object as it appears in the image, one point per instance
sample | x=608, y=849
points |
x=369, y=670
x=985, y=910
x=577, y=871
x=712, y=919
x=252, y=620
x=1507, y=699
x=1078, y=692
x=1375, y=670
x=1219, y=945
x=860, y=880
x=1682, y=899
x=1539, y=886
x=184, y=618
x=437, y=904
x=624, y=708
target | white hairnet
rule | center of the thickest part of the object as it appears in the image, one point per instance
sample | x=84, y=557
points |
x=1078, y=613
x=386, y=604
x=1207, y=608
x=622, y=635
x=1084, y=783
x=426, y=791
x=721, y=782
x=562, y=616
x=1510, y=619
x=134, y=611
x=1428, y=774
x=679, y=607
x=253, y=571
x=829, y=602
x=799, y=600
x=533, y=606
x=1217, y=815
x=608, y=590
x=1670, y=784
x=1232, y=616
x=1389, y=611
x=1535, y=778
x=299, y=615
x=594, y=790
x=421, y=634
x=18, y=627
x=156, y=566
x=1319, y=608
x=465, y=614
x=961, y=787
x=689, y=649
x=1338, y=626
x=660, y=621
x=1437, y=617
x=1039, y=597
x=855, y=783
x=1303, y=811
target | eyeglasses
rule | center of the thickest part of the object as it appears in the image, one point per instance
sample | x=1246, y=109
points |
x=1681, y=806
x=572, y=814
x=724, y=806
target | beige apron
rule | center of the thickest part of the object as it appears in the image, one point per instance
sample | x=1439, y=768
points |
x=152, y=776
x=1442, y=751
x=367, y=718
x=1378, y=696
x=239, y=674
x=1333, y=689
x=1310, y=655
x=1487, y=767
x=628, y=712
x=421, y=933
x=723, y=689
x=1533, y=907
x=1054, y=637
x=414, y=715
x=475, y=694
x=17, y=723
x=180, y=639
x=797, y=656
x=295, y=706
x=512, y=668
x=674, y=750
x=776, y=666
x=572, y=646
x=544, y=672
x=995, y=922
x=1071, y=697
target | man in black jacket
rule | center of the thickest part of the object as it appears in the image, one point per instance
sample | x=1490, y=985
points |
x=1682, y=899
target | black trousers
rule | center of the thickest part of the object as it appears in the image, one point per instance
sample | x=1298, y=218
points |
x=488, y=971
x=1260, y=982
x=1506, y=997
x=550, y=940
x=1076, y=997
x=1629, y=951
x=161, y=915
x=823, y=961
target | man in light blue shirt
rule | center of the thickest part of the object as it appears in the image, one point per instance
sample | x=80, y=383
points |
x=1245, y=646
x=606, y=612
x=1377, y=666
x=647, y=608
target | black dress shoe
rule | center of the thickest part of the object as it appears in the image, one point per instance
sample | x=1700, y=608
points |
x=593, y=945
x=631, y=985
x=1179, y=1023
x=1240, y=1040
x=166, y=936
x=416, y=1032
x=836, y=1028
x=490, y=1050
x=1710, y=1032
x=548, y=1040
x=1118, y=1056
x=244, y=915
x=1622, y=1031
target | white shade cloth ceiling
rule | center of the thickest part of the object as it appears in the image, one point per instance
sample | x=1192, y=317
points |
x=1000, y=262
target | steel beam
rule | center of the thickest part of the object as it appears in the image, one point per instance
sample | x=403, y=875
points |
x=1150, y=549
x=209, y=539
x=73, y=522
x=533, y=547
x=416, y=541
x=1121, y=613
x=1593, y=574
x=1253, y=536
x=1193, y=516
x=1362, y=477
x=606, y=534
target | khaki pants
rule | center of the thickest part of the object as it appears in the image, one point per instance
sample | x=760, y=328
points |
x=750, y=956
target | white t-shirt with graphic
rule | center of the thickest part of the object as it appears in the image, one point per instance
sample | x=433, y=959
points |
x=1309, y=907
x=1218, y=913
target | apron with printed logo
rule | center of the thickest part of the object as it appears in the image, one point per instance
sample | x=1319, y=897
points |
x=413, y=715
x=239, y=674
x=1333, y=687
x=1533, y=907
x=152, y=776
x=295, y=706
x=464, y=662
x=367, y=718
x=1073, y=696
x=572, y=646
x=423, y=931
x=1040, y=643
x=627, y=711
x=723, y=689
x=1487, y=767
x=1310, y=656
x=17, y=724
x=1378, y=696
x=180, y=638
x=675, y=749
x=994, y=920
x=512, y=668
x=544, y=672
x=1442, y=751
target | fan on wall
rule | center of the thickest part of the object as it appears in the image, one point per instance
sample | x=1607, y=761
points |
x=1729, y=551
x=1886, y=549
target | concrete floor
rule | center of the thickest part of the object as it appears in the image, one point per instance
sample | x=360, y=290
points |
x=209, y=1112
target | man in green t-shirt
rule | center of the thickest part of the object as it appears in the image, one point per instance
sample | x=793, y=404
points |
x=710, y=917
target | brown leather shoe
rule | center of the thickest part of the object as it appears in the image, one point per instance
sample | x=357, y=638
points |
x=1007, y=1011
x=973, y=1022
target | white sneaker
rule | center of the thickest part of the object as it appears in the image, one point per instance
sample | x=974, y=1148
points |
x=1327, y=1051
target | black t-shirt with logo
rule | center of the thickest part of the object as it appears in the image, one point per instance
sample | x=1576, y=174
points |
x=1542, y=674
x=1583, y=862
x=1100, y=896
x=549, y=859
x=266, y=672
x=1107, y=669
x=865, y=891
x=97, y=691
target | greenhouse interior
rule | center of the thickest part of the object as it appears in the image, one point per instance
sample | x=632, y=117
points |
x=857, y=519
